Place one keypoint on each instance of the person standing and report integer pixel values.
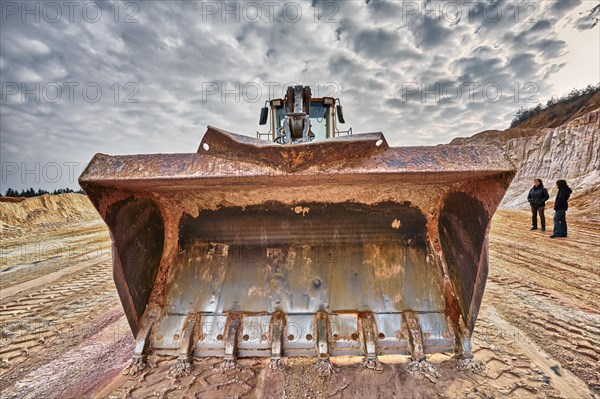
(561, 204)
(537, 198)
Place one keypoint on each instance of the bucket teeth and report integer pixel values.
(322, 341)
(418, 364)
(181, 368)
(184, 361)
(367, 333)
(372, 363)
(463, 355)
(425, 367)
(277, 364)
(228, 364)
(185, 350)
(415, 336)
(323, 365)
(278, 335)
(462, 345)
(277, 328)
(139, 359)
(232, 328)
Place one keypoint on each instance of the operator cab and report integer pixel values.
(299, 118)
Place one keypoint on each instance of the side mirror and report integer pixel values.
(264, 115)
(340, 113)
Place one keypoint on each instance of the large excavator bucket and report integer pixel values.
(343, 246)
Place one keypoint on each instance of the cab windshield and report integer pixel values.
(318, 119)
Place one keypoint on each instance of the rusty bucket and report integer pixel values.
(345, 246)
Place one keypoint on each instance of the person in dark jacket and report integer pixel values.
(537, 198)
(561, 204)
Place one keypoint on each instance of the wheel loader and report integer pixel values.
(304, 241)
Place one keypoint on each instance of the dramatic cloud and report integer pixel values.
(143, 77)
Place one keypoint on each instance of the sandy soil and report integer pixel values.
(63, 333)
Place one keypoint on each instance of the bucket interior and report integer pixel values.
(305, 258)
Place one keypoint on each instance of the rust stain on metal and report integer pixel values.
(300, 234)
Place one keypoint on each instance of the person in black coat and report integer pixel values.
(561, 204)
(537, 198)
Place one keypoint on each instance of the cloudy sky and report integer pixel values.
(148, 76)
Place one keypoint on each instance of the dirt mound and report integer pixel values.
(569, 151)
(551, 117)
(563, 112)
(44, 211)
(586, 204)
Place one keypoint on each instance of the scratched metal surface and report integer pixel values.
(254, 228)
(228, 161)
